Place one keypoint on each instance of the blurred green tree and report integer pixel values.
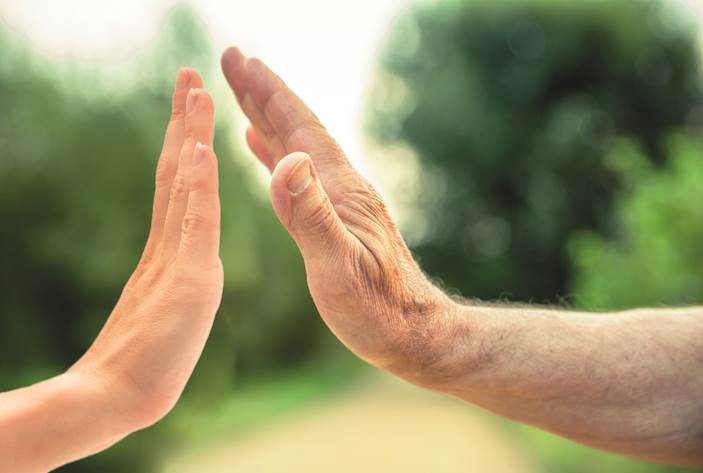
(511, 107)
(79, 148)
(656, 256)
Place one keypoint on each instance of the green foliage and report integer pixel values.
(511, 108)
(656, 256)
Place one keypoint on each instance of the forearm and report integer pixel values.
(54, 422)
(628, 382)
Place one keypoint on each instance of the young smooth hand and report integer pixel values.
(154, 336)
(136, 369)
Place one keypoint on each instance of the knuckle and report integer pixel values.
(319, 220)
(309, 133)
(146, 260)
(143, 286)
(198, 182)
(146, 266)
(177, 114)
(365, 208)
(179, 188)
(194, 223)
(143, 265)
(165, 171)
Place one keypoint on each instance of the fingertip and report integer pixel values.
(188, 78)
(231, 56)
(182, 79)
(232, 63)
(204, 173)
(200, 116)
(199, 100)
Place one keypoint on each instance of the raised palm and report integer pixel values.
(363, 279)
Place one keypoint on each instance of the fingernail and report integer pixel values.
(183, 79)
(300, 178)
(191, 100)
(199, 153)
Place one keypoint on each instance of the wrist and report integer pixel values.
(446, 353)
(433, 348)
(105, 400)
(118, 390)
(453, 354)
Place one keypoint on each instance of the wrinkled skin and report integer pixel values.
(621, 382)
(362, 277)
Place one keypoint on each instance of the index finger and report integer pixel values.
(294, 124)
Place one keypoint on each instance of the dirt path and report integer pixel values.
(383, 425)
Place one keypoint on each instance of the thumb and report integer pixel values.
(305, 210)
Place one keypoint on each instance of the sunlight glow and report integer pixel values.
(325, 50)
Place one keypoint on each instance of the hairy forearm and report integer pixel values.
(54, 422)
(627, 382)
(624, 383)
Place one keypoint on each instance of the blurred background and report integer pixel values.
(540, 151)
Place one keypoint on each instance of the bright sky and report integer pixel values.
(326, 50)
